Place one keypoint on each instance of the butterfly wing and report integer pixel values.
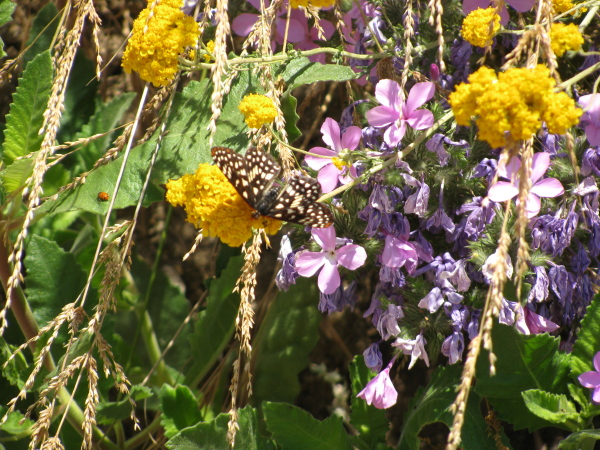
(233, 166)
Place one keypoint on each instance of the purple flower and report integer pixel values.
(350, 256)
(436, 145)
(416, 203)
(591, 379)
(453, 347)
(539, 290)
(380, 391)
(537, 324)
(340, 298)
(287, 274)
(413, 347)
(552, 234)
(590, 163)
(590, 119)
(432, 301)
(373, 357)
(502, 191)
(397, 113)
(388, 321)
(335, 167)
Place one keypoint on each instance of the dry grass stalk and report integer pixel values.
(437, 10)
(219, 69)
(63, 61)
(409, 32)
(312, 12)
(245, 320)
(522, 218)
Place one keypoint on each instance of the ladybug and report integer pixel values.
(103, 196)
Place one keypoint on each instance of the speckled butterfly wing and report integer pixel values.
(254, 175)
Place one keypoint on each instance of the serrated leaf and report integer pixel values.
(300, 71)
(15, 175)
(369, 421)
(42, 32)
(215, 325)
(293, 428)
(6, 9)
(286, 337)
(524, 362)
(26, 114)
(15, 370)
(553, 408)
(588, 341)
(179, 409)
(12, 425)
(112, 412)
(213, 435)
(581, 440)
(431, 404)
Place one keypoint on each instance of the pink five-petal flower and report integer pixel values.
(502, 191)
(398, 114)
(329, 173)
(591, 379)
(350, 256)
(590, 119)
(380, 391)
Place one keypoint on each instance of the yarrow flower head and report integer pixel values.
(315, 3)
(213, 204)
(334, 168)
(258, 110)
(512, 105)
(160, 34)
(502, 191)
(480, 26)
(350, 256)
(397, 114)
(565, 37)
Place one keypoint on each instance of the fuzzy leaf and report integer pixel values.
(581, 440)
(42, 32)
(302, 71)
(109, 413)
(213, 435)
(26, 116)
(215, 325)
(12, 424)
(288, 107)
(6, 9)
(293, 428)
(369, 421)
(431, 404)
(179, 409)
(524, 362)
(553, 408)
(285, 339)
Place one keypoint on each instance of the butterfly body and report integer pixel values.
(255, 177)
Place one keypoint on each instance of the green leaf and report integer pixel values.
(213, 435)
(179, 409)
(215, 325)
(588, 341)
(553, 408)
(582, 440)
(293, 428)
(26, 116)
(6, 10)
(109, 413)
(369, 421)
(42, 32)
(288, 107)
(524, 362)
(12, 425)
(301, 71)
(53, 279)
(15, 176)
(432, 404)
(286, 337)
(14, 371)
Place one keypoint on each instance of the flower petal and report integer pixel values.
(589, 379)
(502, 191)
(351, 256)
(314, 162)
(597, 362)
(418, 96)
(548, 188)
(329, 278)
(394, 134)
(331, 134)
(387, 92)
(421, 119)
(242, 24)
(307, 263)
(539, 165)
(325, 237)
(380, 116)
(351, 137)
(533, 205)
(328, 178)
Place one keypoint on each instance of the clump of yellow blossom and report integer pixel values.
(561, 6)
(315, 3)
(258, 110)
(565, 37)
(159, 35)
(213, 204)
(476, 27)
(210, 46)
(513, 105)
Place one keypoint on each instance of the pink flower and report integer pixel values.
(350, 256)
(398, 114)
(519, 5)
(502, 191)
(333, 168)
(380, 391)
(591, 379)
(590, 119)
(414, 347)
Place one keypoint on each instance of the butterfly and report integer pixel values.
(255, 177)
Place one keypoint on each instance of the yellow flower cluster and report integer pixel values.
(476, 29)
(159, 35)
(210, 46)
(561, 6)
(258, 110)
(513, 104)
(316, 3)
(213, 204)
(565, 37)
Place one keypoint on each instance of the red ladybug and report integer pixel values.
(103, 196)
